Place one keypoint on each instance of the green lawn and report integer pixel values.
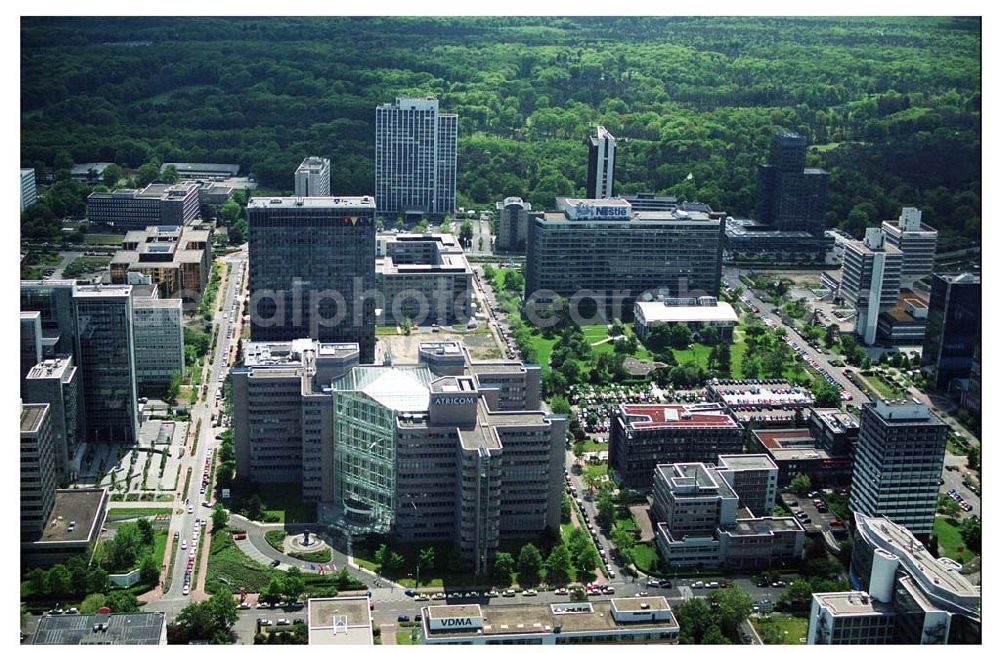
(589, 446)
(794, 629)
(645, 554)
(364, 556)
(103, 239)
(950, 539)
(881, 387)
(404, 635)
(137, 512)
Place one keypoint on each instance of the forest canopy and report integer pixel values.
(890, 106)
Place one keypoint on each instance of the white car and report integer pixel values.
(191, 509)
(187, 590)
(421, 597)
(530, 593)
(184, 544)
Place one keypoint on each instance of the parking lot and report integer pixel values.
(813, 513)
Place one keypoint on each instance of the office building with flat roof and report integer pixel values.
(415, 155)
(918, 243)
(312, 177)
(870, 280)
(834, 429)
(340, 620)
(158, 329)
(650, 202)
(603, 251)
(751, 239)
(72, 529)
(754, 479)
(696, 313)
(797, 451)
(902, 595)
(31, 341)
(177, 259)
(53, 301)
(204, 171)
(640, 620)
(29, 193)
(601, 165)
(56, 382)
(954, 327)
(897, 463)
(106, 346)
(312, 270)
(89, 173)
(646, 435)
(424, 278)
(38, 469)
(790, 196)
(504, 384)
(701, 520)
(214, 193)
(156, 204)
(133, 629)
(381, 439)
(513, 215)
(905, 324)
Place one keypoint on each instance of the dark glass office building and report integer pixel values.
(312, 270)
(953, 327)
(790, 196)
(105, 342)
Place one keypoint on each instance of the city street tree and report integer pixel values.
(606, 509)
(272, 593)
(122, 602)
(801, 484)
(145, 530)
(695, 618)
(948, 506)
(38, 580)
(827, 395)
(579, 448)
(503, 569)
(578, 542)
(623, 538)
(427, 558)
(735, 605)
(229, 213)
(714, 636)
(832, 335)
(557, 566)
(529, 566)
(210, 620)
(147, 173)
(565, 510)
(149, 570)
(169, 175)
(293, 585)
(577, 594)
(60, 581)
(972, 534)
(220, 518)
(112, 174)
(78, 572)
(92, 603)
(465, 233)
(770, 632)
(97, 580)
(586, 562)
(799, 593)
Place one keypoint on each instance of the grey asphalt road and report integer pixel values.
(203, 411)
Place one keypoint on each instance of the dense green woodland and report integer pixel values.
(891, 105)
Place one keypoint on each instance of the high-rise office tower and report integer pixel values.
(312, 178)
(870, 280)
(953, 327)
(158, 330)
(415, 155)
(312, 270)
(513, 215)
(105, 343)
(897, 463)
(53, 300)
(916, 240)
(31, 341)
(56, 382)
(29, 194)
(38, 469)
(791, 197)
(601, 165)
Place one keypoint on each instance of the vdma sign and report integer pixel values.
(455, 622)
